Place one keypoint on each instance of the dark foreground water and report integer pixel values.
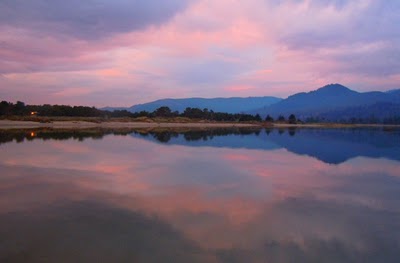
(200, 196)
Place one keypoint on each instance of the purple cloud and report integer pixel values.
(87, 20)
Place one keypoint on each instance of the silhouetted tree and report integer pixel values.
(4, 108)
(19, 108)
(163, 112)
(193, 113)
(142, 114)
(269, 118)
(281, 118)
(120, 113)
(292, 119)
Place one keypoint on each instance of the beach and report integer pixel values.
(10, 124)
(82, 124)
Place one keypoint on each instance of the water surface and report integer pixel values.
(305, 195)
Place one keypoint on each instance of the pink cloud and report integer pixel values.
(72, 92)
(264, 47)
(238, 88)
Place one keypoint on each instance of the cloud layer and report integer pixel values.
(125, 52)
(92, 19)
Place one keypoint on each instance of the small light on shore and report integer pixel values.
(33, 113)
(33, 134)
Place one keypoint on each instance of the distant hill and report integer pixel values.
(229, 105)
(381, 111)
(393, 91)
(334, 100)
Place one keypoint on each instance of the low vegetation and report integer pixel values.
(48, 113)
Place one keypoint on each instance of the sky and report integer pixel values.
(124, 52)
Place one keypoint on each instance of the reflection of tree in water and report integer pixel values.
(292, 131)
(50, 134)
(268, 130)
(281, 131)
(198, 134)
(163, 135)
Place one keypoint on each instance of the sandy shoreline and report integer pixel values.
(10, 124)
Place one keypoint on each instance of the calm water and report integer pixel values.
(212, 196)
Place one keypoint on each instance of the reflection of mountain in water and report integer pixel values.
(328, 145)
(338, 145)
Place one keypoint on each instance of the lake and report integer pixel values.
(217, 195)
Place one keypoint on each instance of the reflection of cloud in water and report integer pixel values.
(92, 232)
(207, 204)
(67, 210)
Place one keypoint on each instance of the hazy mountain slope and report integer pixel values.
(332, 102)
(381, 111)
(394, 91)
(329, 98)
(230, 105)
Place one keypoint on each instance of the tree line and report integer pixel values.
(203, 114)
(20, 109)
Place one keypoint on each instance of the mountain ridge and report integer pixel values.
(229, 105)
(331, 102)
(330, 98)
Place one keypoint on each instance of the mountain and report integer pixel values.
(229, 105)
(331, 98)
(393, 91)
(382, 111)
(332, 102)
